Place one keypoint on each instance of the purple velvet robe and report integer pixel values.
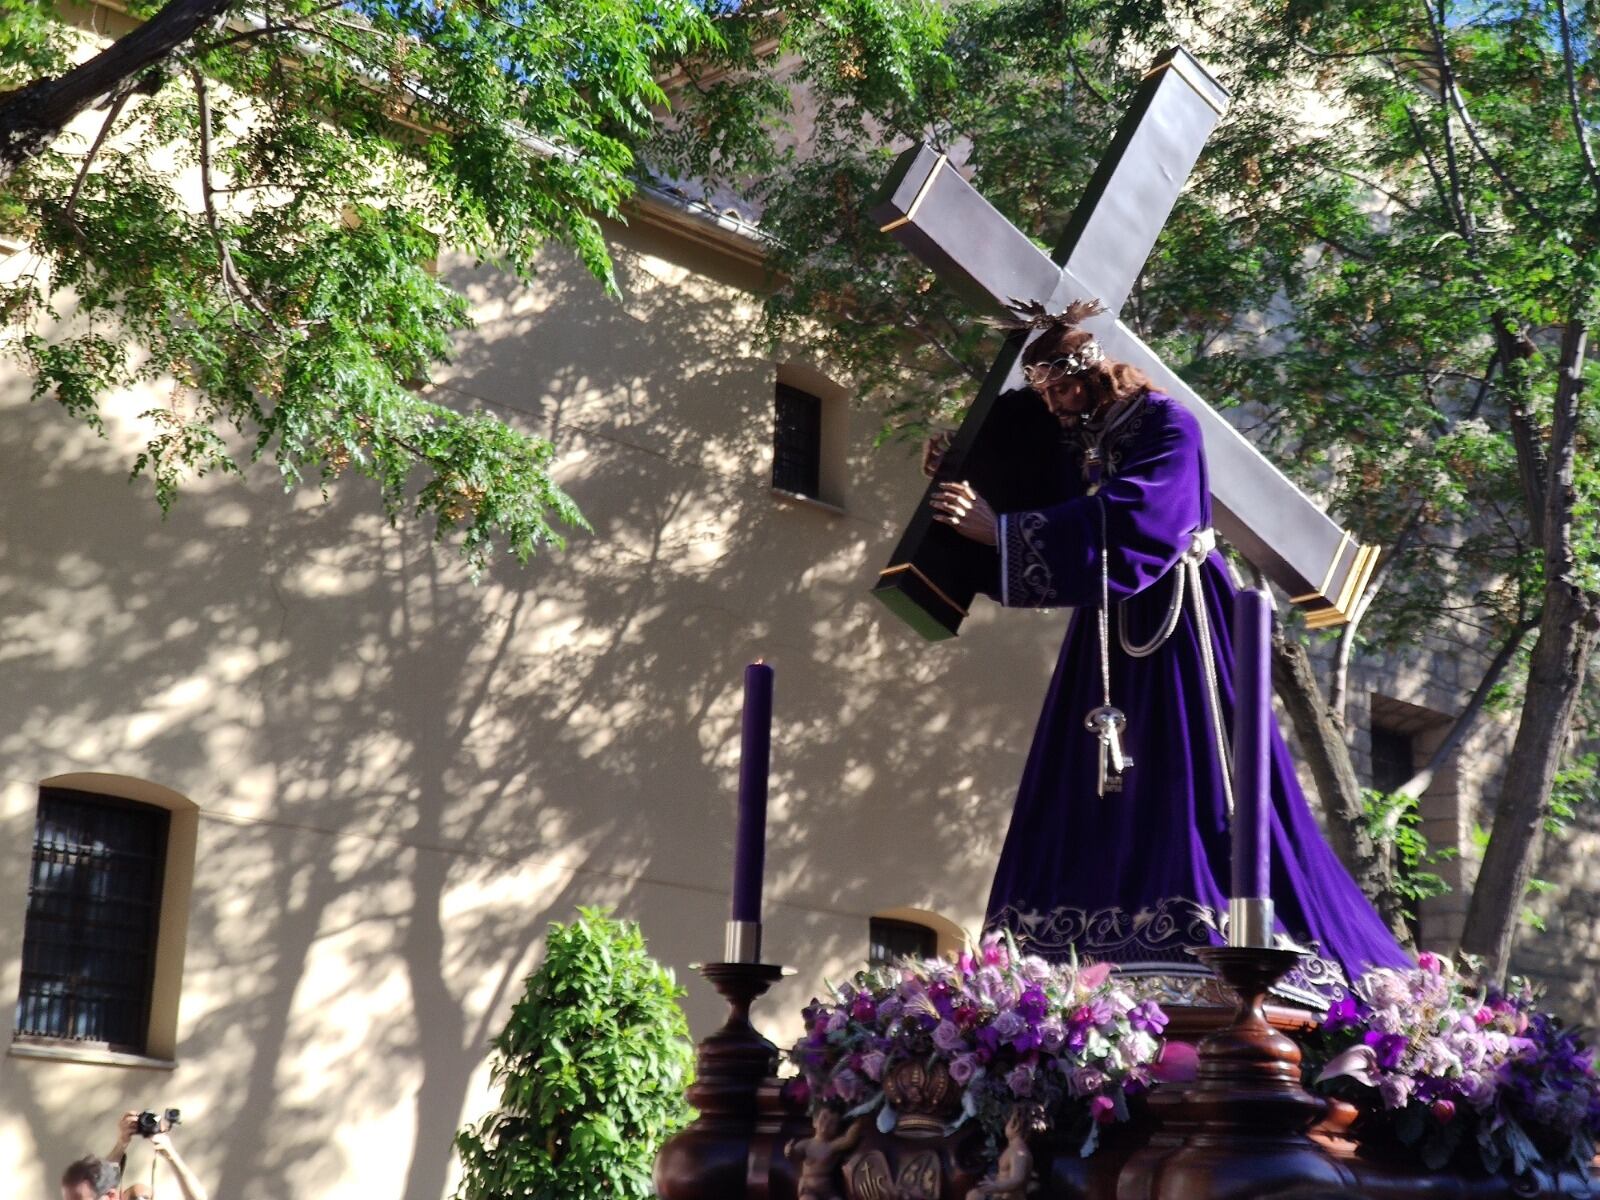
(1139, 878)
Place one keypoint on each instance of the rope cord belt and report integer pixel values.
(1107, 721)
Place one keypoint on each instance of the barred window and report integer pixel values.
(888, 940)
(797, 442)
(1393, 758)
(94, 905)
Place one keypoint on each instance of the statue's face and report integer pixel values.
(1069, 397)
(827, 1123)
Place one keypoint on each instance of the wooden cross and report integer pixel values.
(929, 208)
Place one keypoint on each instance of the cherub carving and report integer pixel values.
(1014, 1172)
(821, 1154)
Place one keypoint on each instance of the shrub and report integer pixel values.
(591, 1068)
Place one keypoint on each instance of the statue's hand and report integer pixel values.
(969, 514)
(933, 452)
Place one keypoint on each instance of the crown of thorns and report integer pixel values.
(1031, 314)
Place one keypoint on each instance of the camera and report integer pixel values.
(150, 1124)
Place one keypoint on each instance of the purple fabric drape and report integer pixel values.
(1140, 877)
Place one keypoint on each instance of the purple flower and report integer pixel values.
(988, 1043)
(1148, 1017)
(1341, 1014)
(1085, 1080)
(862, 1008)
(847, 1085)
(1052, 1034)
(1395, 1090)
(1388, 1048)
(1033, 1005)
(1009, 1025)
(965, 963)
(963, 1067)
(1020, 1081)
(948, 1038)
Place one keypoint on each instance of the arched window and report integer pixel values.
(911, 933)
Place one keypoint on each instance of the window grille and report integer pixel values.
(94, 906)
(1393, 758)
(890, 940)
(797, 441)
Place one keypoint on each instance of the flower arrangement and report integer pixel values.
(973, 1038)
(1450, 1067)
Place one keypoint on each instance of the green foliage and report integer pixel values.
(591, 1067)
(1394, 820)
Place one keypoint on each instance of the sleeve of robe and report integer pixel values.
(1154, 501)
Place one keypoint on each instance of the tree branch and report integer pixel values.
(1468, 716)
(117, 106)
(1452, 97)
(230, 274)
(1572, 96)
(34, 116)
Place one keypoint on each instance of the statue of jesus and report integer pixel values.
(1118, 848)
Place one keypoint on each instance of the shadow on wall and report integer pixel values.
(487, 758)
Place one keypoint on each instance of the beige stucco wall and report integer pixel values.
(402, 777)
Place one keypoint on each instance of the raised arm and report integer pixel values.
(188, 1183)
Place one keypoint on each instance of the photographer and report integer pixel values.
(159, 1134)
(90, 1178)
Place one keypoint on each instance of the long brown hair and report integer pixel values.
(1112, 380)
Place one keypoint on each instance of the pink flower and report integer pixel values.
(1177, 1063)
(994, 952)
(1092, 977)
(796, 1093)
(965, 963)
(1103, 1110)
(1484, 1016)
(1429, 962)
(1444, 1111)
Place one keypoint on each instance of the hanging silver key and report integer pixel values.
(1107, 723)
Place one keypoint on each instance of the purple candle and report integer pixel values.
(755, 752)
(1252, 745)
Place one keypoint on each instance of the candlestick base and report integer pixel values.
(1238, 1131)
(711, 1156)
(742, 942)
(1250, 922)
